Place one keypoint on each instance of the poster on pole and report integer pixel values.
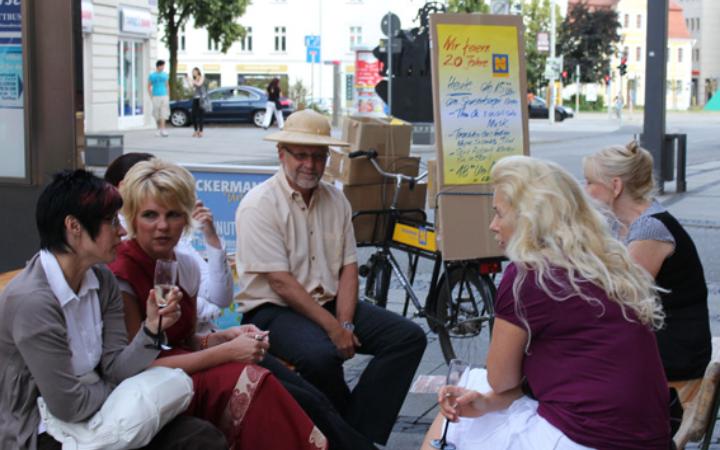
(480, 112)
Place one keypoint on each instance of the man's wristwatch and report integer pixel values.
(348, 325)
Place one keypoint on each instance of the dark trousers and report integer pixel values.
(339, 433)
(396, 343)
(181, 433)
(198, 115)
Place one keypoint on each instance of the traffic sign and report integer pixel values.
(543, 41)
(553, 67)
(389, 22)
(312, 54)
(312, 40)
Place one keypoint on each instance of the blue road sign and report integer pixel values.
(312, 40)
(312, 55)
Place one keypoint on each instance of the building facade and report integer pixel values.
(633, 29)
(702, 19)
(280, 43)
(119, 52)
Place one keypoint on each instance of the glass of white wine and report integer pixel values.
(165, 280)
(456, 369)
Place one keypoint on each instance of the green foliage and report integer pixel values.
(298, 94)
(598, 105)
(536, 18)
(589, 38)
(218, 17)
(468, 6)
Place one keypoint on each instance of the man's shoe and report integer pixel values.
(164, 133)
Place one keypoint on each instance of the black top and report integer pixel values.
(685, 340)
(274, 94)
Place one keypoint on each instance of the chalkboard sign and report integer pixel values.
(480, 111)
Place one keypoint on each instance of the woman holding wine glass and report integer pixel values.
(573, 362)
(230, 390)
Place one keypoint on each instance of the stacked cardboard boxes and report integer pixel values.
(364, 187)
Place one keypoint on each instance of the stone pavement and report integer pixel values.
(698, 209)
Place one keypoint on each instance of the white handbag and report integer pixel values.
(131, 415)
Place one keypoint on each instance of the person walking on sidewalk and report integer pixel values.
(273, 104)
(199, 101)
(297, 263)
(159, 90)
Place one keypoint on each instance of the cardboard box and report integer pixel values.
(470, 237)
(359, 171)
(389, 137)
(372, 227)
(432, 178)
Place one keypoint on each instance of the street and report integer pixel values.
(565, 143)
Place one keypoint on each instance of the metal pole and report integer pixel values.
(653, 136)
(551, 103)
(389, 59)
(577, 90)
(336, 94)
(608, 92)
(312, 77)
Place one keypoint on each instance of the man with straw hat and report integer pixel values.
(297, 263)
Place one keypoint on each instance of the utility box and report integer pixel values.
(423, 133)
(102, 149)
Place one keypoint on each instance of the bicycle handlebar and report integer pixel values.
(372, 156)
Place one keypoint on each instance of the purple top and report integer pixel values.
(598, 377)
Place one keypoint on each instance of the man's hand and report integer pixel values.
(345, 341)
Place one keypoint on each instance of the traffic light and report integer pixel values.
(623, 66)
(564, 75)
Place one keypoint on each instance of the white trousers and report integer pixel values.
(270, 108)
(518, 427)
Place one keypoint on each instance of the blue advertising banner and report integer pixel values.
(221, 188)
(10, 17)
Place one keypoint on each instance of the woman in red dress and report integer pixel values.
(244, 400)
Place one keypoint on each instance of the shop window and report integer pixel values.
(131, 81)
(638, 54)
(626, 22)
(680, 55)
(213, 80)
(280, 39)
(181, 39)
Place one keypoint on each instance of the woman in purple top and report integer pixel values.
(573, 330)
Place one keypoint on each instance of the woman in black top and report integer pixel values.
(273, 104)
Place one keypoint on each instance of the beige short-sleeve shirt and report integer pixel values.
(277, 232)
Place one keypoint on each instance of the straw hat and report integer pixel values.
(306, 127)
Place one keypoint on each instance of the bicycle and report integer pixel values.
(459, 303)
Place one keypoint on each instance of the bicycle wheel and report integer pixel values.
(377, 283)
(466, 313)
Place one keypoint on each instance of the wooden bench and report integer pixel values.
(701, 414)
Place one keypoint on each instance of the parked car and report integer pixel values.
(229, 104)
(538, 109)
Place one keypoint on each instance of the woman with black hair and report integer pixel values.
(273, 104)
(62, 328)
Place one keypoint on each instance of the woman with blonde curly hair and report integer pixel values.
(621, 177)
(231, 390)
(573, 330)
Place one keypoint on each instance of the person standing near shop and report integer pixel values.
(199, 101)
(273, 104)
(159, 90)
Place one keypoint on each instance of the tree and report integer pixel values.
(588, 38)
(218, 17)
(536, 18)
(468, 6)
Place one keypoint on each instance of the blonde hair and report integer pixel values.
(556, 226)
(169, 184)
(631, 163)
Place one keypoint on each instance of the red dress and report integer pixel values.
(245, 401)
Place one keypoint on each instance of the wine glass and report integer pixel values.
(456, 369)
(165, 281)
